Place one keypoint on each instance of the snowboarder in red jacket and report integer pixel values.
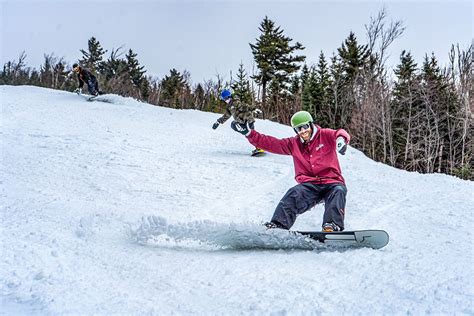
(317, 171)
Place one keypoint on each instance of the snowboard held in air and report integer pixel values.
(360, 238)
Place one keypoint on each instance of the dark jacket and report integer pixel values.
(85, 76)
(241, 112)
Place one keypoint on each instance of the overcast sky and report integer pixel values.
(212, 37)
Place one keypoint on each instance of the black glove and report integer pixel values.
(252, 125)
(341, 145)
(242, 128)
(215, 125)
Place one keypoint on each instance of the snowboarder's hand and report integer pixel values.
(257, 112)
(241, 128)
(341, 145)
(215, 125)
(78, 91)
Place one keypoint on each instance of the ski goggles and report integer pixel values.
(302, 127)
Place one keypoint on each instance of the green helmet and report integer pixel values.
(301, 118)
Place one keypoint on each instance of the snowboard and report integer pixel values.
(101, 97)
(375, 239)
(87, 96)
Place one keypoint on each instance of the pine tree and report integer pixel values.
(46, 71)
(114, 66)
(309, 89)
(135, 71)
(353, 56)
(322, 97)
(406, 111)
(199, 98)
(92, 58)
(350, 86)
(35, 78)
(304, 75)
(276, 61)
(137, 75)
(241, 87)
(171, 89)
(337, 91)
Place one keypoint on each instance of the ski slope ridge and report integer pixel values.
(106, 208)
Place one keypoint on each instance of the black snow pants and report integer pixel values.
(93, 86)
(305, 196)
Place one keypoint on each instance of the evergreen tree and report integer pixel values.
(350, 85)
(171, 88)
(46, 72)
(115, 74)
(199, 98)
(406, 111)
(92, 58)
(316, 97)
(308, 101)
(241, 87)
(135, 71)
(304, 75)
(114, 66)
(35, 78)
(322, 96)
(337, 91)
(353, 56)
(275, 59)
(137, 75)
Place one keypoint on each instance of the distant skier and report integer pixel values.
(85, 76)
(317, 170)
(241, 112)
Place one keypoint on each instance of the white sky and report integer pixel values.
(212, 37)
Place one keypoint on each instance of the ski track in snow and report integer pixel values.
(79, 179)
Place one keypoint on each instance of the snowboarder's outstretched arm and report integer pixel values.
(221, 120)
(224, 117)
(270, 143)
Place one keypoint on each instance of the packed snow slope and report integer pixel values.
(88, 188)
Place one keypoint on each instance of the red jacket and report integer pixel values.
(315, 161)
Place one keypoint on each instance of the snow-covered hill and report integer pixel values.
(79, 179)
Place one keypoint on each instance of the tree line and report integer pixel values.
(416, 117)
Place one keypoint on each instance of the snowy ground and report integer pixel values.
(80, 179)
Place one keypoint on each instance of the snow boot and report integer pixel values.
(330, 227)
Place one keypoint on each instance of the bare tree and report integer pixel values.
(374, 115)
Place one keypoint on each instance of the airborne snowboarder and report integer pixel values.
(242, 114)
(317, 171)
